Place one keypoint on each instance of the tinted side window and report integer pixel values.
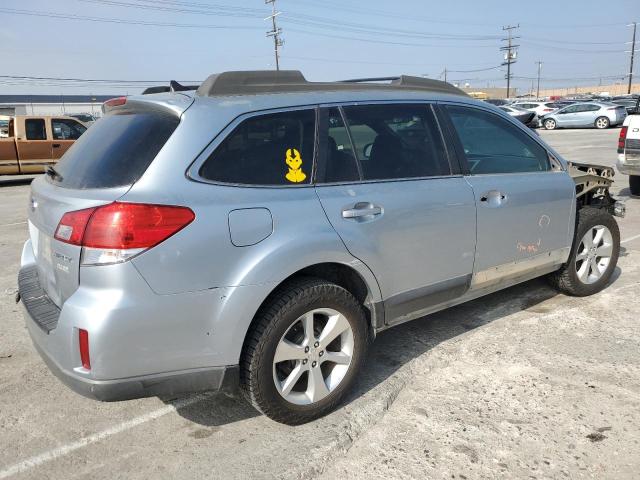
(35, 129)
(341, 163)
(273, 149)
(63, 129)
(397, 141)
(492, 145)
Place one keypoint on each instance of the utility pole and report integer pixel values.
(510, 55)
(538, 89)
(633, 49)
(275, 32)
(445, 74)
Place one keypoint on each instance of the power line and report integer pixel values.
(33, 13)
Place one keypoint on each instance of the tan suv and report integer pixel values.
(35, 142)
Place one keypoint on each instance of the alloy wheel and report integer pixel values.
(313, 356)
(594, 254)
(602, 122)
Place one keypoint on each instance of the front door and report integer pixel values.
(525, 207)
(387, 188)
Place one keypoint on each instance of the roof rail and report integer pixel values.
(284, 81)
(173, 87)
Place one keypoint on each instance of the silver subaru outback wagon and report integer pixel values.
(259, 231)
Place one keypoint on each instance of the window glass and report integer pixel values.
(35, 129)
(273, 149)
(64, 129)
(397, 141)
(492, 145)
(592, 108)
(340, 159)
(115, 151)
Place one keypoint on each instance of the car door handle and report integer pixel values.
(493, 198)
(56, 145)
(362, 209)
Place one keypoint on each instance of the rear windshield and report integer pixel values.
(115, 151)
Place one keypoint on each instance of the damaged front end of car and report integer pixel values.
(593, 184)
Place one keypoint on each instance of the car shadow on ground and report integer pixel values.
(397, 346)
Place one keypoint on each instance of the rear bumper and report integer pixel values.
(627, 168)
(140, 343)
(168, 384)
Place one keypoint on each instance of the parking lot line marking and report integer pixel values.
(96, 437)
(12, 224)
(629, 239)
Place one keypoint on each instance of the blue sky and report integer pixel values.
(577, 41)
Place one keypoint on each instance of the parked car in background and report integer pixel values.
(540, 108)
(34, 143)
(85, 118)
(629, 152)
(585, 115)
(632, 105)
(497, 101)
(260, 232)
(527, 117)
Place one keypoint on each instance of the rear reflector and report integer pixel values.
(83, 340)
(115, 232)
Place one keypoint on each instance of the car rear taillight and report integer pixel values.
(547, 109)
(83, 344)
(115, 232)
(621, 139)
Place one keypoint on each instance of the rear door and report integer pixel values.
(388, 189)
(525, 207)
(33, 144)
(64, 132)
(586, 115)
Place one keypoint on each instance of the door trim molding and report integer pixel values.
(408, 303)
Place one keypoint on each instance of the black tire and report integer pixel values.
(549, 124)
(566, 279)
(605, 121)
(634, 185)
(287, 304)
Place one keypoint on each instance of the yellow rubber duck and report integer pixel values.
(295, 173)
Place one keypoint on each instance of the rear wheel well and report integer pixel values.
(340, 274)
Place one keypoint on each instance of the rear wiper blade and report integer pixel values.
(53, 173)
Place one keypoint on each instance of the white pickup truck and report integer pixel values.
(629, 152)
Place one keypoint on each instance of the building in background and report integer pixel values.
(489, 92)
(52, 104)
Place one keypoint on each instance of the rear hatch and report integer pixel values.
(97, 170)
